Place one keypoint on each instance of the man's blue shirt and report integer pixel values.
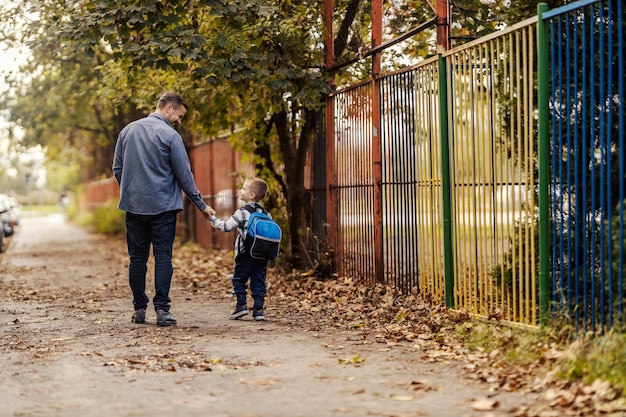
(151, 166)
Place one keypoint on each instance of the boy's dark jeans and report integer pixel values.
(247, 267)
(142, 231)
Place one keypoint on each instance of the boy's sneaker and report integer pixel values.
(258, 314)
(240, 311)
(139, 316)
(165, 318)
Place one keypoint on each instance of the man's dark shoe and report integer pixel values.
(240, 311)
(139, 316)
(258, 314)
(165, 318)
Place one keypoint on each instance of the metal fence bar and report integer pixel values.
(622, 163)
(446, 187)
(411, 178)
(492, 119)
(411, 203)
(587, 188)
(353, 161)
(568, 8)
(401, 200)
(546, 164)
(427, 152)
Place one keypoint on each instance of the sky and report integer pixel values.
(10, 58)
(10, 61)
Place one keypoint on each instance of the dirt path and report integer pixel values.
(68, 348)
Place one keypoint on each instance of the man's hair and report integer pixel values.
(258, 187)
(171, 97)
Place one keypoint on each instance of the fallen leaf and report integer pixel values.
(353, 360)
(357, 391)
(485, 404)
(260, 382)
(402, 397)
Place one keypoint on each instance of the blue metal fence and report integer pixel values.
(588, 183)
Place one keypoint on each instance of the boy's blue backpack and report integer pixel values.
(264, 235)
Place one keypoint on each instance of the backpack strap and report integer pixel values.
(242, 243)
(254, 209)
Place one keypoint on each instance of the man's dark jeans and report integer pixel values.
(143, 231)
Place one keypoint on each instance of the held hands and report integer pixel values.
(208, 212)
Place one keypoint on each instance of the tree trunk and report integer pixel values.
(294, 151)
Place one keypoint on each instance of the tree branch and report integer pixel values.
(341, 41)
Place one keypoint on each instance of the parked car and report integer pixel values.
(7, 215)
(1, 238)
(16, 210)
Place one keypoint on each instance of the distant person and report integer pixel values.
(64, 201)
(246, 267)
(151, 167)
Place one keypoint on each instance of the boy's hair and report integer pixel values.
(258, 187)
(171, 97)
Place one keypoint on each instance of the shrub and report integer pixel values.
(108, 219)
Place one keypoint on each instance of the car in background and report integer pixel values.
(16, 210)
(7, 215)
(5, 218)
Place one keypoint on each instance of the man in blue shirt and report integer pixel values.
(152, 167)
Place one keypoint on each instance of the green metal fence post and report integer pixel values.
(544, 164)
(445, 183)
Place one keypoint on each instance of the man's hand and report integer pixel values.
(208, 212)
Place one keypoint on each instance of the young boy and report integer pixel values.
(246, 267)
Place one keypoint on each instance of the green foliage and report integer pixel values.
(39, 210)
(586, 358)
(514, 270)
(597, 357)
(62, 176)
(245, 64)
(515, 347)
(60, 110)
(108, 219)
(472, 19)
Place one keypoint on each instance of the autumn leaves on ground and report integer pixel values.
(508, 359)
(66, 310)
